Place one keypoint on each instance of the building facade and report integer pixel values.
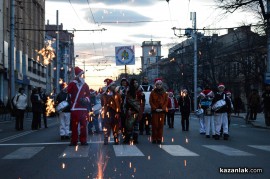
(29, 37)
(150, 59)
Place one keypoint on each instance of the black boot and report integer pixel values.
(226, 137)
(183, 125)
(135, 138)
(116, 140)
(126, 139)
(187, 125)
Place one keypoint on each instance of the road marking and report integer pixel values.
(50, 143)
(23, 153)
(15, 136)
(177, 150)
(262, 147)
(228, 150)
(75, 152)
(127, 150)
(23, 134)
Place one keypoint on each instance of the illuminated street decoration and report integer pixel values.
(47, 52)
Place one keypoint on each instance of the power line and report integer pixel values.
(74, 30)
(91, 12)
(221, 28)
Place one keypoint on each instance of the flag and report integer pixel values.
(125, 55)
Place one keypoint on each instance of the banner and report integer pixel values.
(125, 55)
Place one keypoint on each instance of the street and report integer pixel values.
(41, 154)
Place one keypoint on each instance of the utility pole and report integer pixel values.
(267, 74)
(11, 46)
(268, 36)
(193, 18)
(57, 55)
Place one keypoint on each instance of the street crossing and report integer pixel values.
(69, 152)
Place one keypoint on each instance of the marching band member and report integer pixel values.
(206, 97)
(158, 101)
(135, 101)
(222, 106)
(111, 103)
(80, 99)
(64, 115)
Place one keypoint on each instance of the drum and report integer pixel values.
(96, 108)
(61, 106)
(219, 104)
(199, 112)
(147, 107)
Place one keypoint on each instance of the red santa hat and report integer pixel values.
(221, 85)
(207, 92)
(158, 80)
(78, 71)
(109, 82)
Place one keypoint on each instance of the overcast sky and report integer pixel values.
(130, 22)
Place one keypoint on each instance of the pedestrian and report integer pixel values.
(111, 103)
(206, 98)
(254, 104)
(36, 109)
(135, 101)
(184, 103)
(266, 104)
(20, 102)
(172, 107)
(229, 95)
(221, 105)
(145, 122)
(80, 99)
(158, 102)
(63, 99)
(238, 104)
(43, 98)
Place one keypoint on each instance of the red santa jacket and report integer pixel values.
(169, 105)
(78, 91)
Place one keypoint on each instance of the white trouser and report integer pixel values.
(209, 124)
(221, 119)
(202, 126)
(64, 118)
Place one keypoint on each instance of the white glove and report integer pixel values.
(158, 110)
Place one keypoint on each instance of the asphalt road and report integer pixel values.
(41, 154)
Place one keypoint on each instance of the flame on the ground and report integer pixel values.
(49, 106)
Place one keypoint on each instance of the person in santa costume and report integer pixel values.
(158, 101)
(222, 106)
(172, 107)
(122, 90)
(205, 101)
(111, 103)
(80, 100)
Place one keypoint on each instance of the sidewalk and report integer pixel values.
(259, 122)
